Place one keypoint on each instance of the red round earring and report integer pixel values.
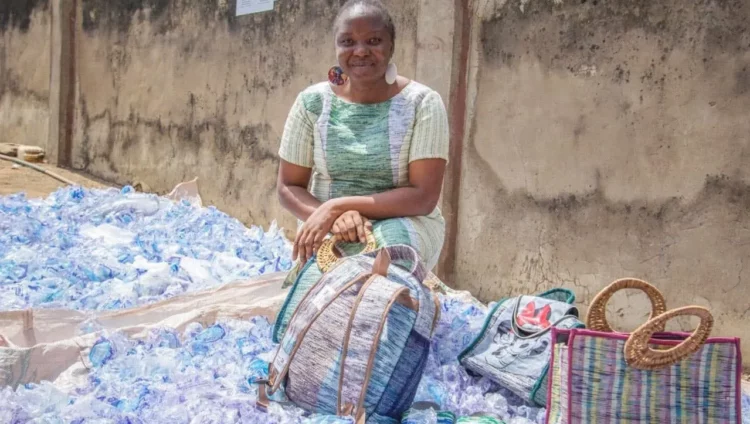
(336, 75)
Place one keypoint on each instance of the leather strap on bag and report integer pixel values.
(299, 327)
(375, 302)
(406, 258)
(262, 402)
(348, 409)
(410, 271)
(373, 352)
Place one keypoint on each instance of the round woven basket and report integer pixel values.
(327, 257)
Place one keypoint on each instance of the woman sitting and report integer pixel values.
(371, 145)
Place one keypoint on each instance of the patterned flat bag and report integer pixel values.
(358, 341)
(515, 345)
(649, 376)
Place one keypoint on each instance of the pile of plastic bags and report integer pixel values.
(207, 375)
(114, 249)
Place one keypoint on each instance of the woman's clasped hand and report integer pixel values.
(349, 226)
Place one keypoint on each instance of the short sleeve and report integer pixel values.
(298, 140)
(431, 136)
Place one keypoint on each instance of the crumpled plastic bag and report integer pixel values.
(188, 191)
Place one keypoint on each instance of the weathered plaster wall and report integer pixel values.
(172, 89)
(24, 71)
(608, 140)
(603, 139)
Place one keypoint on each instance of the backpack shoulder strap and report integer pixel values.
(407, 260)
(361, 342)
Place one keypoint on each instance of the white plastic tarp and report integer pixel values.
(46, 345)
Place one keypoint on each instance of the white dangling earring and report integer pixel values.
(391, 73)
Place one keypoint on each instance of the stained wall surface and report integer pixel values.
(170, 90)
(24, 71)
(603, 139)
(609, 140)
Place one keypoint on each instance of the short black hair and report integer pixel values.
(376, 6)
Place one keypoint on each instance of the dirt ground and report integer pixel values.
(35, 184)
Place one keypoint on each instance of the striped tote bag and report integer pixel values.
(649, 376)
(358, 341)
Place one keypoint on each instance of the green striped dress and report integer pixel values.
(362, 149)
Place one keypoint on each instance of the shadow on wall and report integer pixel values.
(164, 15)
(174, 89)
(610, 140)
(24, 71)
(17, 13)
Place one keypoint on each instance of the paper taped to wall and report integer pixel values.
(245, 7)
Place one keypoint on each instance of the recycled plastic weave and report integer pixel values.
(592, 382)
(514, 347)
(358, 342)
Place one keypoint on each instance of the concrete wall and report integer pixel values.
(24, 71)
(608, 140)
(173, 89)
(602, 139)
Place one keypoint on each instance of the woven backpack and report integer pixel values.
(358, 342)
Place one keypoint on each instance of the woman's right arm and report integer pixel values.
(291, 188)
(295, 169)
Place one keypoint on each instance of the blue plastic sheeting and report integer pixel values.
(113, 249)
(206, 375)
(109, 249)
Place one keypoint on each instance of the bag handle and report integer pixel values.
(327, 257)
(398, 254)
(596, 318)
(638, 353)
(517, 331)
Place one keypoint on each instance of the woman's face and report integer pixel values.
(363, 45)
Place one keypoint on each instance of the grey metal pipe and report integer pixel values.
(36, 168)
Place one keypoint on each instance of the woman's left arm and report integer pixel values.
(420, 197)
